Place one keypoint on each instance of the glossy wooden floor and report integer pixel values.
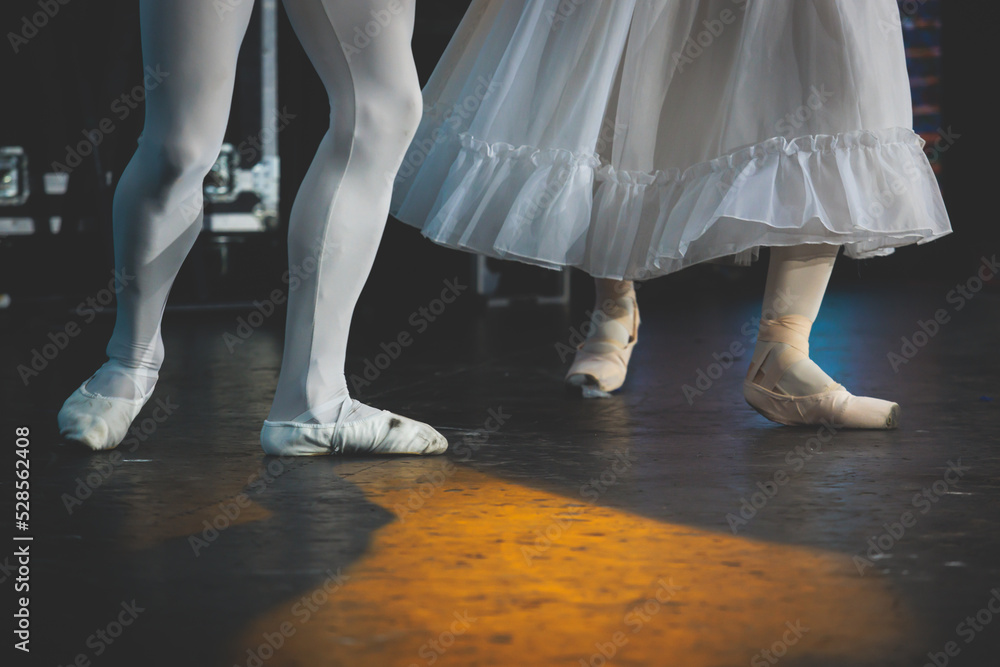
(652, 528)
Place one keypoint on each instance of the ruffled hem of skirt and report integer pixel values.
(870, 191)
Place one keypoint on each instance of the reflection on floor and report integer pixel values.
(659, 527)
(506, 575)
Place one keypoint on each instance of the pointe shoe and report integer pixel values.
(833, 406)
(381, 433)
(601, 361)
(836, 406)
(101, 422)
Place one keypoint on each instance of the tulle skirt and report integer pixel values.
(633, 138)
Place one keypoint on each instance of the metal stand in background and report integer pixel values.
(242, 188)
(14, 192)
(487, 283)
(229, 178)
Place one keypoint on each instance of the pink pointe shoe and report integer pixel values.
(788, 337)
(601, 361)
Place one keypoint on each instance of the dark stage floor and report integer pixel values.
(647, 529)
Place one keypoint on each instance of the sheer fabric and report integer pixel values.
(633, 138)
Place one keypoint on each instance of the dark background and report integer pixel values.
(65, 79)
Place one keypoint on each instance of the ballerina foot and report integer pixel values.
(380, 433)
(835, 406)
(601, 362)
(787, 387)
(98, 421)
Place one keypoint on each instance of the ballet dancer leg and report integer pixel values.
(601, 361)
(783, 383)
(336, 224)
(157, 210)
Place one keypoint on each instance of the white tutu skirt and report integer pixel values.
(633, 138)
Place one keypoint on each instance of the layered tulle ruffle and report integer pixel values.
(633, 138)
(870, 191)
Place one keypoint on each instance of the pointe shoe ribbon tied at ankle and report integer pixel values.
(833, 405)
(381, 433)
(601, 361)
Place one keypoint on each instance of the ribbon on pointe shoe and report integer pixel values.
(601, 362)
(833, 405)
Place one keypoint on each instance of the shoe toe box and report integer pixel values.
(407, 436)
(93, 421)
(87, 429)
(871, 413)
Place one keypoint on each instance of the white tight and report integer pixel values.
(797, 278)
(342, 205)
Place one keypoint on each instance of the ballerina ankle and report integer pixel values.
(781, 360)
(601, 361)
